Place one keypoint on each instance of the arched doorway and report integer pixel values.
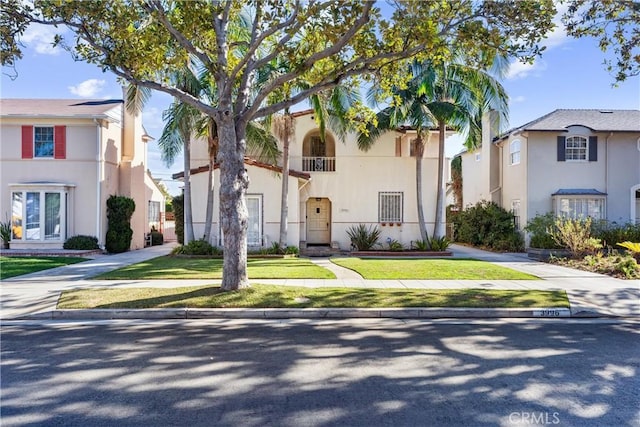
(318, 221)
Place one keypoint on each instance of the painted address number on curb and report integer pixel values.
(551, 312)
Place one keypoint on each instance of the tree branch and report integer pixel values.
(155, 5)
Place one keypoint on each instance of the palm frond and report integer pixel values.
(137, 98)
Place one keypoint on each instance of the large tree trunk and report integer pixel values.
(188, 212)
(234, 182)
(438, 228)
(284, 202)
(419, 153)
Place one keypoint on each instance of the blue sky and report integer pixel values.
(570, 74)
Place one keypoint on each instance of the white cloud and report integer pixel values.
(558, 36)
(152, 119)
(88, 88)
(40, 38)
(555, 38)
(517, 99)
(518, 70)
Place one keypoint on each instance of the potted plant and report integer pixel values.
(5, 234)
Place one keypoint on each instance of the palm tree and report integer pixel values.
(408, 108)
(436, 96)
(180, 124)
(458, 95)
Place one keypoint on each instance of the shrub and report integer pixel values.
(628, 267)
(178, 209)
(394, 245)
(292, 250)
(575, 235)
(197, 247)
(440, 244)
(5, 231)
(363, 238)
(422, 245)
(81, 242)
(119, 232)
(540, 228)
(611, 233)
(633, 248)
(486, 224)
(157, 238)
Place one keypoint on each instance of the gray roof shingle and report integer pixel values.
(597, 120)
(51, 108)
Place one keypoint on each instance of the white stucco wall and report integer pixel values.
(473, 188)
(352, 188)
(513, 176)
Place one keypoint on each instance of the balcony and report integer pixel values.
(318, 164)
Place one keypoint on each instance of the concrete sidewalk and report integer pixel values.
(590, 294)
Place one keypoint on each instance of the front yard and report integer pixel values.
(267, 296)
(171, 267)
(17, 266)
(430, 269)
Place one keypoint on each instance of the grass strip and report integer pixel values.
(17, 266)
(168, 267)
(270, 296)
(430, 269)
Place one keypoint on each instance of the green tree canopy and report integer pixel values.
(326, 42)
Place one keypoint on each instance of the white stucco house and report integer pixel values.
(61, 159)
(332, 186)
(570, 162)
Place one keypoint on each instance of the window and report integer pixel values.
(515, 208)
(254, 223)
(514, 152)
(581, 207)
(154, 214)
(43, 141)
(576, 148)
(36, 215)
(390, 206)
(317, 147)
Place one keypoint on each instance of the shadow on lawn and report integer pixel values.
(267, 296)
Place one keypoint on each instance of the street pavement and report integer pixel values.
(590, 294)
(321, 373)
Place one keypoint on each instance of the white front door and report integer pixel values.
(318, 221)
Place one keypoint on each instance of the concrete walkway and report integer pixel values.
(590, 294)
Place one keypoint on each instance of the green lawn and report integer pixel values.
(168, 267)
(17, 266)
(429, 269)
(266, 296)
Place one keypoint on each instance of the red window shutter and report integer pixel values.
(27, 142)
(60, 142)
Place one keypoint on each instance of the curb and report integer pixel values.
(308, 313)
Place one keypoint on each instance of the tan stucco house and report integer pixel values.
(569, 162)
(61, 159)
(332, 186)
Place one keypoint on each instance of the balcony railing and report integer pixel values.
(318, 164)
